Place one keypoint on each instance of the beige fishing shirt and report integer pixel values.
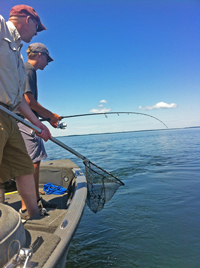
(12, 69)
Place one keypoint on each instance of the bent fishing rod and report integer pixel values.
(107, 113)
(86, 161)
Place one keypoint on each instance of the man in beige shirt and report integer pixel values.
(23, 24)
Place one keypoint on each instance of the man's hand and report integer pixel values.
(45, 134)
(54, 119)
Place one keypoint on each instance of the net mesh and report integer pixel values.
(101, 186)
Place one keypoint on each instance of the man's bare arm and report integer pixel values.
(26, 111)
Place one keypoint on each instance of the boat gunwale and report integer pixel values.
(72, 217)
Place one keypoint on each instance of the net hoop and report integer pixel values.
(113, 178)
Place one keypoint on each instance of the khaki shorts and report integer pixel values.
(14, 159)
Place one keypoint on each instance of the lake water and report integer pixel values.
(152, 221)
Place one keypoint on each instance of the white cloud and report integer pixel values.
(103, 110)
(103, 101)
(159, 105)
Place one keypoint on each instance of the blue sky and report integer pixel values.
(119, 55)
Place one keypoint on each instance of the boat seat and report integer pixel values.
(12, 233)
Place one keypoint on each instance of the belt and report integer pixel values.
(5, 105)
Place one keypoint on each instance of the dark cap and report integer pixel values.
(24, 11)
(39, 48)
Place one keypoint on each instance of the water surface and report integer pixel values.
(152, 221)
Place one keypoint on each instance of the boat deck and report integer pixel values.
(58, 228)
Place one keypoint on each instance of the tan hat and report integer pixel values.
(24, 11)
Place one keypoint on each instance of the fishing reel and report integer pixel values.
(61, 125)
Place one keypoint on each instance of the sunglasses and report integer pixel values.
(37, 26)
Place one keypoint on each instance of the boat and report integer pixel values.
(44, 243)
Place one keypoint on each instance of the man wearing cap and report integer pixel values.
(38, 59)
(23, 24)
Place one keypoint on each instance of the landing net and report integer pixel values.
(101, 186)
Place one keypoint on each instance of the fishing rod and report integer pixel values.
(107, 113)
(88, 164)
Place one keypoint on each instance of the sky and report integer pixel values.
(119, 56)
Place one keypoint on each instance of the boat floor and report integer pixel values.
(13, 199)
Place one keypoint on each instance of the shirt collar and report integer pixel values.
(15, 34)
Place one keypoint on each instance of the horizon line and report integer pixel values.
(126, 131)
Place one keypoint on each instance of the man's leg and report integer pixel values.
(26, 187)
(15, 162)
(36, 178)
